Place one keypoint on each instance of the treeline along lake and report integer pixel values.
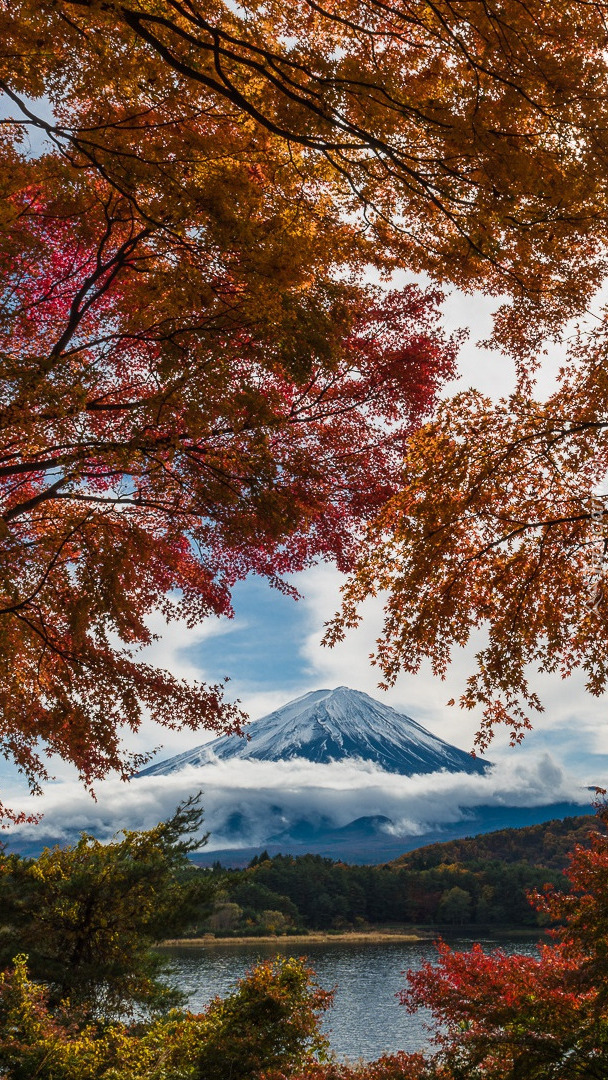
(463, 887)
(480, 881)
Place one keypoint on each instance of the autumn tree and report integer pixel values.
(268, 1028)
(196, 382)
(181, 406)
(87, 915)
(516, 1017)
(499, 526)
(471, 134)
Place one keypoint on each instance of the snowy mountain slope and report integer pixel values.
(334, 725)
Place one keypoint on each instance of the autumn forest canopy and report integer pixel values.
(206, 372)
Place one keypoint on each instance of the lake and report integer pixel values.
(366, 1020)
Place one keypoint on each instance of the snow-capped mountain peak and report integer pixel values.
(334, 725)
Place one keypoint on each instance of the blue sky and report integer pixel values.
(263, 645)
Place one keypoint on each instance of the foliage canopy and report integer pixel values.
(498, 527)
(196, 383)
(471, 133)
(87, 915)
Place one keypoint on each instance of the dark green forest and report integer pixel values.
(483, 880)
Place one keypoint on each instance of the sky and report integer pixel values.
(272, 652)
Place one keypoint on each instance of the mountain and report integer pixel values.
(358, 814)
(367, 840)
(333, 725)
(548, 844)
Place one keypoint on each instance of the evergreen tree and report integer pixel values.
(88, 914)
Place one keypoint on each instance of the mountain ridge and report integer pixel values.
(326, 726)
(366, 841)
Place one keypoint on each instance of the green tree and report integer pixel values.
(87, 915)
(455, 905)
(270, 1023)
(225, 915)
(269, 1026)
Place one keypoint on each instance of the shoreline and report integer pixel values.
(359, 937)
(314, 938)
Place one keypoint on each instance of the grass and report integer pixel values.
(314, 937)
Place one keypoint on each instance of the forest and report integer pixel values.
(445, 884)
(482, 881)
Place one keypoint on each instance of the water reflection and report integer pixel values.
(366, 1020)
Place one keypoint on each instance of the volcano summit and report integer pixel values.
(325, 726)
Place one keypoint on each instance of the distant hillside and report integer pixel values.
(479, 882)
(546, 845)
(367, 840)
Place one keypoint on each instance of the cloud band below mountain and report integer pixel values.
(248, 802)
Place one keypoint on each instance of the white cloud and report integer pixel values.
(248, 801)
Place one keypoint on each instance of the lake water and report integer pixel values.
(367, 1019)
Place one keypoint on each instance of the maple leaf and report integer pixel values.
(178, 408)
(468, 141)
(497, 525)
